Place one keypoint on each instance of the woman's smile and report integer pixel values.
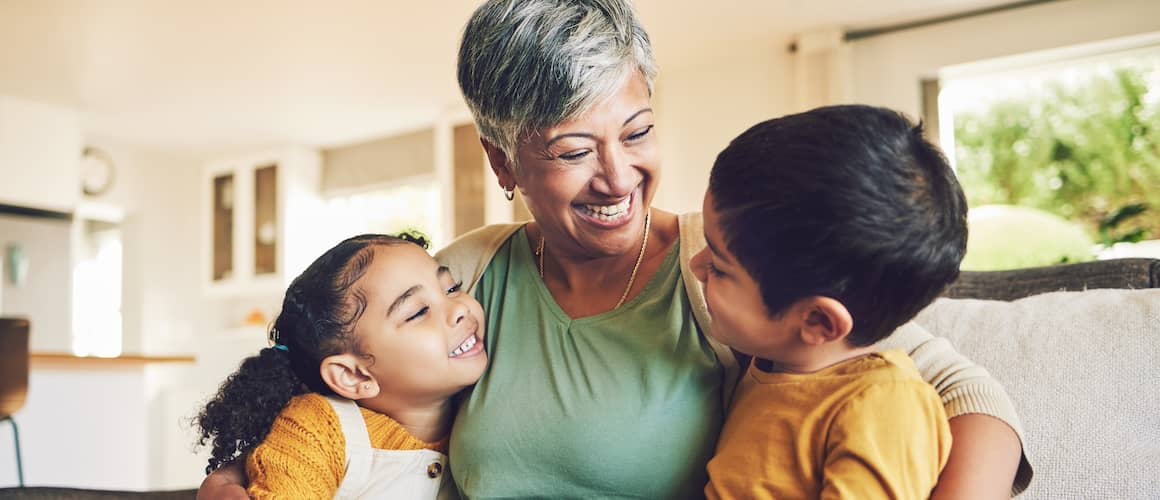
(608, 215)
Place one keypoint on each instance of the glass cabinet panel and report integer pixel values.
(266, 220)
(223, 227)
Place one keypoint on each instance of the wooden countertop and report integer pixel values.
(64, 358)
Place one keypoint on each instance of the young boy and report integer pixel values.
(828, 230)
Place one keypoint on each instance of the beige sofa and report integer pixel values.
(1082, 366)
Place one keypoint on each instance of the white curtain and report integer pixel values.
(822, 68)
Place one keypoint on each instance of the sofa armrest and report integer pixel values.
(1018, 283)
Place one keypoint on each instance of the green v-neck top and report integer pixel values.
(624, 404)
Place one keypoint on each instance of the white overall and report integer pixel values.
(371, 473)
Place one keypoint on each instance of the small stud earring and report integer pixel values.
(367, 387)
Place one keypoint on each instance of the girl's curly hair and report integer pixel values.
(317, 320)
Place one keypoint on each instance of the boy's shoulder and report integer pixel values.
(888, 372)
(892, 365)
(887, 383)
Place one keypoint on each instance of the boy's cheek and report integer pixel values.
(719, 321)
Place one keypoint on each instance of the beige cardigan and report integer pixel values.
(965, 388)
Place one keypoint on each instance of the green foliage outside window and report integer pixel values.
(1088, 152)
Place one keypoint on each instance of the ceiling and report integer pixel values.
(218, 75)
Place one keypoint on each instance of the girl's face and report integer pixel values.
(589, 181)
(423, 334)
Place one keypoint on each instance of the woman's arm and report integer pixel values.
(986, 429)
(985, 457)
(226, 483)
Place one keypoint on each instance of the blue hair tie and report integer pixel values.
(281, 347)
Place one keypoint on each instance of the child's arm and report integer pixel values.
(889, 442)
(303, 456)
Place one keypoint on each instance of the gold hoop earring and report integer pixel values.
(510, 194)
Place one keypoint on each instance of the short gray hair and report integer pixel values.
(529, 64)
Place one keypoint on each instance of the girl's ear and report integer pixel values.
(500, 164)
(345, 375)
(824, 320)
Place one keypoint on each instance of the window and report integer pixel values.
(411, 205)
(1060, 161)
(97, 273)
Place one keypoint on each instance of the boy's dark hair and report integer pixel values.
(846, 202)
(318, 315)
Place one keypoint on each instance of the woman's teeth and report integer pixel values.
(464, 347)
(608, 212)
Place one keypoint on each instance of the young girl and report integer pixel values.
(354, 398)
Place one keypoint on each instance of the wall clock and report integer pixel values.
(97, 172)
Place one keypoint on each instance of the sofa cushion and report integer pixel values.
(1083, 370)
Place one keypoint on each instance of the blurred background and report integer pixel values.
(166, 167)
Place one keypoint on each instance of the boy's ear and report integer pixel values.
(500, 164)
(824, 320)
(346, 376)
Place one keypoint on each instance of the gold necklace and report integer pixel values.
(635, 267)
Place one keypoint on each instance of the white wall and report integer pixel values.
(165, 309)
(887, 69)
(45, 297)
(701, 106)
(159, 194)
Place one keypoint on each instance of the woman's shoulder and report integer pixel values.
(468, 255)
(692, 234)
(691, 223)
(484, 239)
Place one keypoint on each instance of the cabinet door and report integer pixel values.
(249, 245)
(266, 220)
(223, 227)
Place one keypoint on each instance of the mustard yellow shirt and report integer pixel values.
(304, 456)
(865, 428)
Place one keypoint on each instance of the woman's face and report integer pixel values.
(589, 182)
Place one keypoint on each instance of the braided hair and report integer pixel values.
(317, 321)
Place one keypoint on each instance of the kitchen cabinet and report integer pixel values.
(263, 212)
(40, 155)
